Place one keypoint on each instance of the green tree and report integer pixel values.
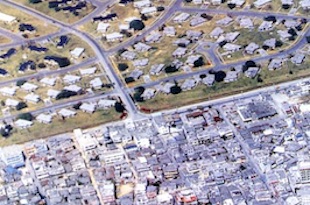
(137, 25)
(25, 116)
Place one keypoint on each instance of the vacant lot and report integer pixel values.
(38, 130)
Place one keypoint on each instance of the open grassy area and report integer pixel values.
(42, 28)
(201, 93)
(38, 130)
(4, 40)
(59, 15)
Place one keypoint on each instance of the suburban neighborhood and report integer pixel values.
(150, 102)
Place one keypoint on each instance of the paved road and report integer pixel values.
(14, 37)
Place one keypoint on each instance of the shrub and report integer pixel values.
(21, 105)
(122, 66)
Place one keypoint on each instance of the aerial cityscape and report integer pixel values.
(155, 102)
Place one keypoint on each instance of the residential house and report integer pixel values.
(298, 58)
(265, 26)
(96, 83)
(103, 27)
(71, 79)
(112, 37)
(66, 113)
(156, 69)
(275, 64)
(11, 102)
(261, 3)
(166, 87)
(305, 4)
(136, 74)
(140, 62)
(231, 76)
(188, 84)
(153, 37)
(183, 41)
(169, 31)
(29, 87)
(287, 2)
(106, 103)
(215, 33)
(231, 36)
(196, 21)
(33, 98)
(88, 71)
(209, 79)
(141, 47)
(251, 48)
(224, 22)
(129, 55)
(179, 52)
(252, 72)
(44, 118)
(192, 59)
(52, 93)
(182, 17)
(148, 93)
(238, 3)
(88, 107)
(141, 4)
(23, 124)
(271, 43)
(48, 81)
(73, 88)
(284, 35)
(148, 10)
(230, 47)
(7, 18)
(194, 35)
(77, 52)
(8, 91)
(246, 23)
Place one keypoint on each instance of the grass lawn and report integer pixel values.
(218, 90)
(39, 130)
(4, 40)
(60, 15)
(42, 28)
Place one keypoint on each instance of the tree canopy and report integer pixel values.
(137, 25)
